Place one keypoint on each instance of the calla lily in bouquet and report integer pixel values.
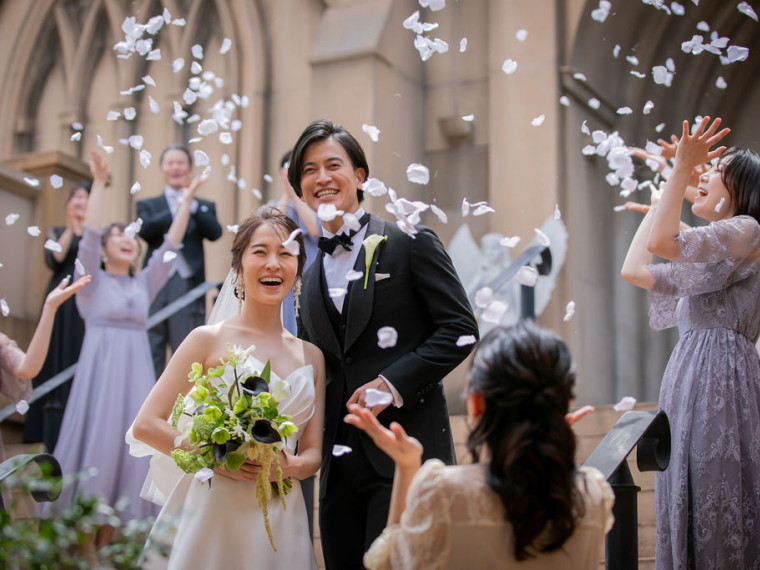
(233, 411)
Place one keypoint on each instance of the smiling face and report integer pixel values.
(76, 207)
(713, 194)
(176, 168)
(120, 251)
(329, 177)
(269, 270)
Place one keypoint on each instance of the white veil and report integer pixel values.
(226, 305)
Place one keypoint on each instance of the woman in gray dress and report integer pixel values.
(115, 370)
(708, 500)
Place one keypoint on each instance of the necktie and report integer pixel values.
(328, 245)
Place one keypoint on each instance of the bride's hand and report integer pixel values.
(285, 459)
(247, 471)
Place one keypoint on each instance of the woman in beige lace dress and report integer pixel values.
(525, 502)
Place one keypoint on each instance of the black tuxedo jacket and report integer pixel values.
(157, 218)
(412, 287)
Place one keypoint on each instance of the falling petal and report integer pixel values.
(197, 51)
(339, 450)
(439, 213)
(624, 111)
(77, 126)
(226, 45)
(579, 76)
(232, 228)
(33, 231)
(594, 103)
(557, 213)
(335, 292)
(494, 312)
(155, 55)
(434, 5)
(637, 74)
(703, 26)
(374, 398)
(659, 127)
(145, 157)
(136, 187)
(196, 68)
(625, 404)
(386, 337)
(468, 118)
(527, 275)
(509, 66)
(4, 308)
(584, 128)
(465, 207)
(22, 407)
(268, 178)
(677, 9)
(153, 105)
(204, 474)
(374, 187)
(372, 131)
(56, 181)
(178, 22)
(746, 9)
(542, 238)
(462, 45)
(648, 106)
(207, 126)
(600, 14)
(569, 311)
(353, 275)
(483, 297)
(130, 113)
(509, 241)
(521, 35)
(417, 173)
(178, 64)
(291, 244)
(538, 121)
(328, 212)
(720, 83)
(10, 219)
(616, 51)
(201, 158)
(736, 53)
(351, 221)
(148, 80)
(53, 245)
(482, 209)
(136, 142)
(620, 208)
(113, 116)
(564, 101)
(719, 205)
(76, 137)
(466, 340)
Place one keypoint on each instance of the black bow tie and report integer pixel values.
(328, 245)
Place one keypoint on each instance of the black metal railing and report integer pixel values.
(649, 433)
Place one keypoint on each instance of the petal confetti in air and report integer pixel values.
(648, 106)
(339, 450)
(33, 182)
(509, 241)
(207, 126)
(145, 157)
(203, 474)
(79, 267)
(542, 238)
(233, 228)
(153, 105)
(76, 137)
(440, 214)
(148, 80)
(291, 244)
(719, 205)
(620, 208)
(53, 245)
(736, 53)
(33, 231)
(564, 101)
(746, 9)
(720, 83)
(594, 103)
(434, 5)
(463, 45)
(624, 111)
(374, 187)
(600, 14)
(579, 76)
(509, 66)
(107, 149)
(372, 131)
(527, 275)
(197, 51)
(22, 407)
(4, 308)
(335, 292)
(677, 9)
(538, 121)
(136, 141)
(196, 68)
(201, 158)
(154, 55)
(56, 181)
(226, 46)
(482, 209)
(626, 403)
(521, 35)
(113, 116)
(466, 340)
(417, 173)
(557, 213)
(468, 118)
(354, 275)
(483, 297)
(178, 64)
(328, 212)
(569, 311)
(130, 113)
(374, 398)
(387, 337)
(494, 312)
(351, 221)
(10, 219)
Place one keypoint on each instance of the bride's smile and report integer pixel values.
(269, 269)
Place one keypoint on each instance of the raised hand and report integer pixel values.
(404, 450)
(188, 192)
(58, 295)
(694, 149)
(98, 167)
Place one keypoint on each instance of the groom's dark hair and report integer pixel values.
(318, 131)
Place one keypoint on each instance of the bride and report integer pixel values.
(221, 526)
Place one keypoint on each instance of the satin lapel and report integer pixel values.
(313, 312)
(360, 300)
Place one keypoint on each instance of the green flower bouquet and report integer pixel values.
(233, 411)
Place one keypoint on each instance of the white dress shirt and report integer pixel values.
(181, 265)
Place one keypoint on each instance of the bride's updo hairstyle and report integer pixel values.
(526, 376)
(282, 224)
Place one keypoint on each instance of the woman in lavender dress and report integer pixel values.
(115, 370)
(708, 500)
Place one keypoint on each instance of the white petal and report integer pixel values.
(677, 9)
(148, 80)
(353, 275)
(600, 14)
(155, 55)
(22, 407)
(136, 187)
(465, 207)
(625, 404)
(659, 127)
(417, 173)
(76, 136)
(207, 126)
(584, 128)
(736, 53)
(130, 113)
(542, 238)
(720, 83)
(462, 45)
(197, 51)
(291, 244)
(335, 292)
(113, 116)
(56, 181)
(374, 398)
(5, 310)
(10, 219)
(468, 118)
(53, 245)
(145, 157)
(77, 126)
(351, 221)
(372, 131)
(196, 68)
(620, 208)
(153, 105)
(204, 474)
(328, 212)
(509, 66)
(557, 213)
(521, 35)
(616, 51)
(33, 231)
(624, 111)
(386, 337)
(564, 101)
(339, 450)
(494, 312)
(200, 158)
(483, 297)
(594, 103)
(510, 241)
(746, 9)
(637, 74)
(226, 45)
(374, 187)
(136, 142)
(569, 311)
(579, 76)
(703, 26)
(527, 275)
(482, 210)
(538, 121)
(178, 64)
(232, 228)
(466, 340)
(439, 213)
(719, 205)
(648, 106)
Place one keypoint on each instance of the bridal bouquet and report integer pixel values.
(233, 416)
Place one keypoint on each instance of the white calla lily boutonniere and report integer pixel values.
(370, 244)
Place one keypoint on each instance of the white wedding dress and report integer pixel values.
(222, 526)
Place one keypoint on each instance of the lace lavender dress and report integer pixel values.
(708, 500)
(113, 378)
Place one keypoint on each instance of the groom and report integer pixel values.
(402, 290)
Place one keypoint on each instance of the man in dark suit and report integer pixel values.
(189, 268)
(386, 310)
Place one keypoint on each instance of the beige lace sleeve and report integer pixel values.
(11, 386)
(421, 539)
